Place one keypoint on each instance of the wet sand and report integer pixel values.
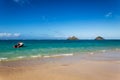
(60, 68)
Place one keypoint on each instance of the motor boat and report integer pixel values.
(20, 44)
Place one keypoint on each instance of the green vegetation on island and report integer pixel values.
(99, 38)
(72, 38)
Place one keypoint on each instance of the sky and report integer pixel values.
(59, 19)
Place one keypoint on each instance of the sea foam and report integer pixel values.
(57, 55)
(21, 57)
(35, 56)
(2, 59)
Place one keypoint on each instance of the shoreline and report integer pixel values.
(76, 67)
(4, 59)
(91, 66)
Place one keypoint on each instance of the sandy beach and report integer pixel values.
(59, 39)
(60, 68)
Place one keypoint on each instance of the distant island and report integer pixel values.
(75, 38)
(72, 38)
(99, 38)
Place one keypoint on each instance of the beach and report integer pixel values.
(74, 67)
(59, 39)
(60, 60)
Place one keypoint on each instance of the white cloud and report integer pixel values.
(16, 34)
(9, 34)
(109, 14)
(5, 34)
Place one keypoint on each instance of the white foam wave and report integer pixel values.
(67, 54)
(2, 59)
(92, 53)
(33, 56)
(58, 55)
(103, 51)
(21, 57)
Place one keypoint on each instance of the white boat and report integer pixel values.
(20, 44)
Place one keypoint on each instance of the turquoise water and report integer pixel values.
(53, 47)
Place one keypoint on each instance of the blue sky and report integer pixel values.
(59, 19)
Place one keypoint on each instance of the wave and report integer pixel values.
(21, 57)
(58, 55)
(39, 55)
(35, 56)
(3, 59)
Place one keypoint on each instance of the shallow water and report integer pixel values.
(46, 48)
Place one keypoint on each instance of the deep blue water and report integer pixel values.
(53, 47)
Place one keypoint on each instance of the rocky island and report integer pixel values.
(72, 38)
(99, 38)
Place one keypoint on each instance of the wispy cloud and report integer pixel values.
(109, 14)
(4, 34)
(16, 34)
(21, 2)
(16, 0)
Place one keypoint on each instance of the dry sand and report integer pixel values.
(61, 69)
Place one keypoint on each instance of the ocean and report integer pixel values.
(47, 48)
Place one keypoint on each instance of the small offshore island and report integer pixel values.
(75, 38)
(99, 38)
(72, 38)
(59, 39)
(61, 60)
